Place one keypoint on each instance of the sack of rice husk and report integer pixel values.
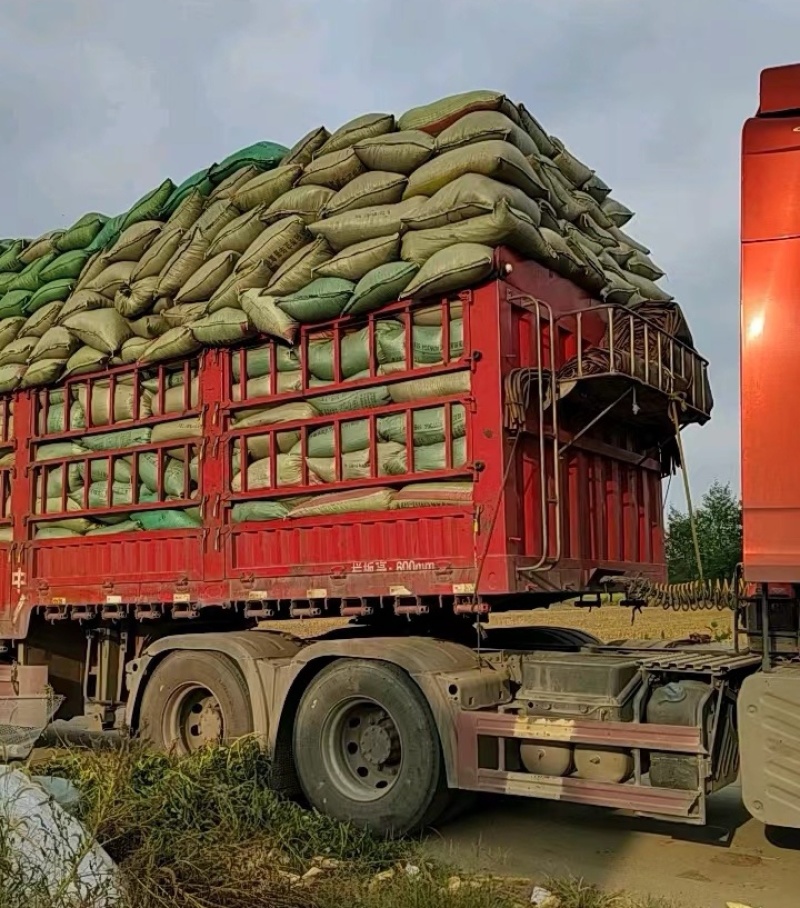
(426, 343)
(165, 520)
(355, 465)
(451, 269)
(276, 243)
(175, 343)
(298, 270)
(264, 155)
(217, 216)
(199, 183)
(373, 188)
(535, 130)
(228, 188)
(305, 201)
(254, 275)
(354, 436)
(427, 458)
(177, 399)
(343, 230)
(124, 526)
(319, 300)
(150, 206)
(396, 152)
(432, 386)
(55, 291)
(380, 286)
(177, 430)
(470, 196)
(112, 278)
(30, 278)
(132, 349)
(11, 375)
(13, 303)
(503, 227)
(99, 469)
(102, 329)
(355, 261)
(55, 343)
(80, 301)
(573, 169)
(81, 233)
(183, 313)
(134, 241)
(149, 326)
(263, 510)
(434, 315)
(186, 214)
(43, 319)
(85, 359)
(222, 328)
(354, 350)
(376, 499)
(239, 234)
(270, 416)
(124, 403)
(262, 387)
(10, 258)
(186, 259)
(499, 160)
(133, 300)
(58, 420)
(643, 265)
(482, 126)
(42, 372)
(66, 266)
(40, 247)
(367, 126)
(207, 279)
(333, 170)
(623, 239)
(257, 361)
(10, 328)
(617, 213)
(357, 399)
(173, 475)
(287, 472)
(122, 438)
(266, 188)
(266, 316)
(424, 494)
(428, 425)
(303, 151)
(438, 115)
(18, 351)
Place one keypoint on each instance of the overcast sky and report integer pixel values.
(101, 100)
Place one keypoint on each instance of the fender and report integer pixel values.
(245, 648)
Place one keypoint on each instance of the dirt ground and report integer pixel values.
(609, 622)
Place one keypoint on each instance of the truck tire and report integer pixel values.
(194, 699)
(367, 750)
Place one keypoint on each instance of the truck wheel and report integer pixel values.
(367, 750)
(194, 699)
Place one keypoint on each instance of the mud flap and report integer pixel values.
(769, 741)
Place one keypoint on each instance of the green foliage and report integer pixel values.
(719, 529)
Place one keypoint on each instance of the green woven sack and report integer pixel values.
(30, 278)
(9, 260)
(380, 286)
(49, 293)
(322, 299)
(264, 155)
(197, 181)
(150, 206)
(65, 266)
(81, 234)
(106, 237)
(13, 303)
(165, 520)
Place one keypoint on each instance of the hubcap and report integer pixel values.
(361, 748)
(194, 718)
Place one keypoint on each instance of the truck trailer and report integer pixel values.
(560, 416)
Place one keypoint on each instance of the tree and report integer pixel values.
(719, 530)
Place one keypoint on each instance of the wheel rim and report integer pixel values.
(361, 748)
(193, 718)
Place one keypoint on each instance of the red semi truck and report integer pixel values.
(572, 415)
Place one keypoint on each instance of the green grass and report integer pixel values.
(206, 831)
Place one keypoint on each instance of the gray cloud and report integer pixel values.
(101, 101)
